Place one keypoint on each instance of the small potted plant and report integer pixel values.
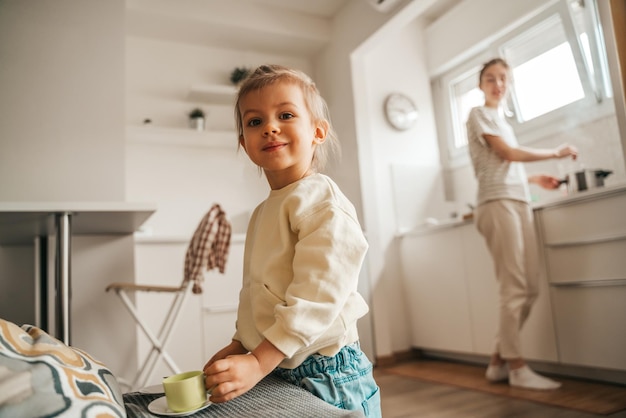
(238, 75)
(196, 119)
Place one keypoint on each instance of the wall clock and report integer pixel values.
(400, 111)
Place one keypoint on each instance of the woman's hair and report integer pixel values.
(489, 63)
(502, 62)
(266, 75)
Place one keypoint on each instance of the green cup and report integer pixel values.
(185, 391)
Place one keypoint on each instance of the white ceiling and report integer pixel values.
(292, 27)
(322, 8)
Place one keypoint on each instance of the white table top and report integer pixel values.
(20, 222)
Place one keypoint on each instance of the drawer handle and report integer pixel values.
(591, 283)
(589, 241)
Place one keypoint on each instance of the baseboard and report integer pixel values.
(398, 357)
(580, 372)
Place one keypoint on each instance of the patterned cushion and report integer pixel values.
(40, 376)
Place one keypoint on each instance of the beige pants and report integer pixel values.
(509, 231)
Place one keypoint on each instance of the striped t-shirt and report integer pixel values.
(497, 178)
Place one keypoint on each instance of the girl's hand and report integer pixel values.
(566, 150)
(235, 347)
(232, 376)
(236, 374)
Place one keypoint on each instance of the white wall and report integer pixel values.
(334, 74)
(386, 72)
(349, 104)
(364, 62)
(99, 323)
(62, 102)
(470, 26)
(185, 181)
(62, 139)
(393, 62)
(159, 75)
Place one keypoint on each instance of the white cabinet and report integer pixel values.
(453, 299)
(584, 247)
(579, 318)
(482, 288)
(591, 325)
(588, 220)
(436, 290)
(220, 300)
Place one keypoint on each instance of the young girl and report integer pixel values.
(299, 306)
(505, 219)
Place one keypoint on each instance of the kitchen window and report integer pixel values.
(558, 64)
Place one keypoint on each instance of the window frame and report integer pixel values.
(593, 106)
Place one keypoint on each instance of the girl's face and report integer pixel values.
(494, 83)
(278, 133)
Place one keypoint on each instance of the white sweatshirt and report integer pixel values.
(303, 253)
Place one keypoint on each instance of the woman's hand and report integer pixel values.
(545, 181)
(566, 150)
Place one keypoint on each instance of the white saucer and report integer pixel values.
(159, 407)
(152, 390)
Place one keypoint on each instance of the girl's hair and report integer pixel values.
(489, 63)
(266, 75)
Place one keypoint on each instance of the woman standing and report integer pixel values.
(505, 219)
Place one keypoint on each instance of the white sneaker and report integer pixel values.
(496, 373)
(526, 378)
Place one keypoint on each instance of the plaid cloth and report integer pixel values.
(208, 248)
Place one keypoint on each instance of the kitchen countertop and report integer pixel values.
(579, 196)
(596, 193)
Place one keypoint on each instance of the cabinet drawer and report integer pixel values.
(590, 325)
(589, 220)
(587, 262)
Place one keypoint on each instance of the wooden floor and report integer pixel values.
(404, 397)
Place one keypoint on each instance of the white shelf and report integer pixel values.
(181, 137)
(213, 93)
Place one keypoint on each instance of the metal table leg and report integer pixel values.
(63, 276)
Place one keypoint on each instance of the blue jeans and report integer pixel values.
(345, 380)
